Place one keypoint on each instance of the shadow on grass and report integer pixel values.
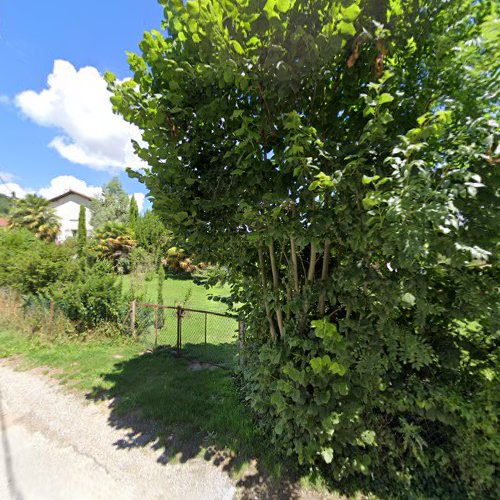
(185, 409)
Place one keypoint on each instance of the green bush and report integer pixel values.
(33, 266)
(93, 297)
(384, 409)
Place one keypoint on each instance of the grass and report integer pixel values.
(79, 364)
(179, 290)
(195, 411)
(219, 343)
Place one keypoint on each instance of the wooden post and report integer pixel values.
(241, 340)
(206, 315)
(133, 307)
(156, 326)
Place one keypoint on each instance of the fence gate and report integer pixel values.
(205, 335)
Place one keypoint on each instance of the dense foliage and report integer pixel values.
(338, 157)
(35, 213)
(114, 242)
(133, 212)
(92, 297)
(111, 206)
(42, 271)
(151, 234)
(32, 266)
(5, 204)
(82, 229)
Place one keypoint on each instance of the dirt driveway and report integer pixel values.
(56, 446)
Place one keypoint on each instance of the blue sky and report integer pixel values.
(40, 139)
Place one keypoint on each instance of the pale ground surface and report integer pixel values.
(54, 445)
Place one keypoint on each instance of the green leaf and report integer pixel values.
(109, 77)
(346, 28)
(327, 454)
(192, 7)
(383, 98)
(369, 202)
(269, 9)
(283, 5)
(342, 388)
(338, 369)
(351, 13)
(369, 180)
(368, 437)
(316, 364)
(408, 299)
(237, 47)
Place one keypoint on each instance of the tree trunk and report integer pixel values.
(272, 328)
(276, 287)
(324, 276)
(295, 266)
(312, 263)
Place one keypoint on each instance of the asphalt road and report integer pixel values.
(54, 445)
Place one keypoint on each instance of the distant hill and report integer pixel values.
(5, 204)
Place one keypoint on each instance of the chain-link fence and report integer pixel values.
(35, 316)
(206, 336)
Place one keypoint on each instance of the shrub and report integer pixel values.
(33, 266)
(143, 262)
(385, 411)
(93, 297)
(151, 234)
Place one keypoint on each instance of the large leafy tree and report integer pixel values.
(152, 235)
(35, 213)
(338, 157)
(111, 206)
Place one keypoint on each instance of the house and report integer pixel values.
(67, 207)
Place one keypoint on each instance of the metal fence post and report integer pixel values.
(179, 329)
(132, 317)
(156, 326)
(206, 316)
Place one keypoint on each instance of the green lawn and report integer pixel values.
(182, 291)
(207, 337)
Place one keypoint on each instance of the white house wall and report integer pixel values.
(68, 211)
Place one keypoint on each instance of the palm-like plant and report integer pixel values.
(113, 241)
(34, 213)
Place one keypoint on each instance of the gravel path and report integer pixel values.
(56, 446)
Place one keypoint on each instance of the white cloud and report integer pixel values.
(61, 184)
(10, 188)
(77, 103)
